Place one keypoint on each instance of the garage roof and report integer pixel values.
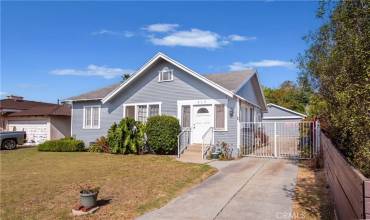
(51, 110)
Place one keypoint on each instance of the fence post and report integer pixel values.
(275, 150)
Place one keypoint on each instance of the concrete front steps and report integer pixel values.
(193, 154)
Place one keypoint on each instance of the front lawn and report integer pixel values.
(45, 185)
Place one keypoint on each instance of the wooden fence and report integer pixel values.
(349, 189)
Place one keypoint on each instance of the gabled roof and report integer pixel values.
(51, 110)
(12, 104)
(294, 113)
(228, 83)
(152, 61)
(96, 94)
(231, 80)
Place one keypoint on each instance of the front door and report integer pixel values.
(202, 121)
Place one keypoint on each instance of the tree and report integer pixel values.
(337, 68)
(288, 95)
(124, 77)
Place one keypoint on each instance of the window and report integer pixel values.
(141, 112)
(153, 110)
(202, 111)
(165, 74)
(220, 117)
(251, 118)
(185, 120)
(130, 112)
(91, 117)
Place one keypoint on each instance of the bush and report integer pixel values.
(62, 145)
(100, 146)
(126, 137)
(162, 134)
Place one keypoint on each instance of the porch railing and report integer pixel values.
(207, 141)
(183, 140)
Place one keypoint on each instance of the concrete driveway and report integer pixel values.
(250, 188)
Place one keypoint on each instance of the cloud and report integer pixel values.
(161, 27)
(263, 63)
(3, 93)
(93, 70)
(127, 34)
(193, 38)
(236, 37)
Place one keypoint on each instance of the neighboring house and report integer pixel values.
(163, 86)
(277, 113)
(41, 121)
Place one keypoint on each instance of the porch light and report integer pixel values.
(231, 112)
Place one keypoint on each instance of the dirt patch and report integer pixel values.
(311, 195)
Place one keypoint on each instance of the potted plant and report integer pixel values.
(88, 196)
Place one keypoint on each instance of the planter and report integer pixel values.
(88, 200)
(215, 155)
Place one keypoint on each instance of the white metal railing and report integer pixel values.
(183, 140)
(207, 141)
(280, 139)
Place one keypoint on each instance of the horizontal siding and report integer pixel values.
(147, 89)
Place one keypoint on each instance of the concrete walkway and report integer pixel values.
(250, 188)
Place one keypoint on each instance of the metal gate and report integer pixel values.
(298, 140)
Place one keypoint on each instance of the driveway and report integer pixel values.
(250, 188)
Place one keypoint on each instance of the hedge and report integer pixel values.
(162, 134)
(62, 145)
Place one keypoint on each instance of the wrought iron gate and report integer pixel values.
(280, 139)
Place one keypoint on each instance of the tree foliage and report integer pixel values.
(288, 95)
(336, 67)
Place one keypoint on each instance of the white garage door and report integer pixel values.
(36, 131)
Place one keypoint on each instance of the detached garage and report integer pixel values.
(277, 113)
(41, 121)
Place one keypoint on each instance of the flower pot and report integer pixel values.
(88, 200)
(215, 155)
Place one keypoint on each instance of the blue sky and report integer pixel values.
(61, 49)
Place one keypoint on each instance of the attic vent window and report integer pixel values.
(165, 74)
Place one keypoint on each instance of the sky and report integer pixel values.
(55, 50)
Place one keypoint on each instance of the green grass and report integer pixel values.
(45, 185)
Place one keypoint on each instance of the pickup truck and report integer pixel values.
(10, 139)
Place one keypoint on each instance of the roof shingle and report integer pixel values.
(229, 80)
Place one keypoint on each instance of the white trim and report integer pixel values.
(289, 110)
(238, 123)
(212, 102)
(77, 100)
(142, 103)
(165, 69)
(283, 117)
(71, 118)
(175, 63)
(84, 112)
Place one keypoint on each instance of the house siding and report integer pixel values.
(146, 88)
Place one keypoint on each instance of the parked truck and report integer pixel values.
(10, 139)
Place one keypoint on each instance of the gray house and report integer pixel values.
(277, 113)
(164, 86)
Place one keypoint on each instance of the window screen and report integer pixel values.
(88, 117)
(185, 120)
(130, 112)
(153, 110)
(220, 116)
(92, 117)
(142, 113)
(95, 117)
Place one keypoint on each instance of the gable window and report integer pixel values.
(220, 119)
(91, 117)
(141, 112)
(165, 74)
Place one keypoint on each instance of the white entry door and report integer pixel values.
(202, 121)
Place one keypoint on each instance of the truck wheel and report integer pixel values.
(9, 144)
